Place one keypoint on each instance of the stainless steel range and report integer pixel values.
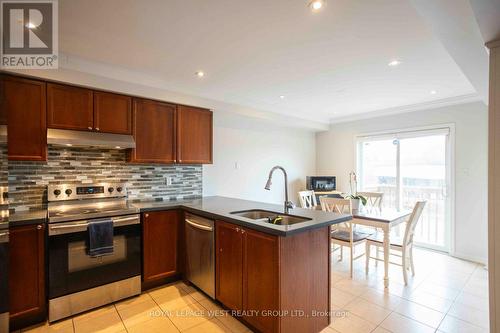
(83, 275)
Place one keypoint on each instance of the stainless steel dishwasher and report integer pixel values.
(200, 252)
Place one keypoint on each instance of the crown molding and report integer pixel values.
(84, 72)
(75, 63)
(493, 44)
(462, 99)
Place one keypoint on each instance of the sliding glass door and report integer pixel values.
(409, 167)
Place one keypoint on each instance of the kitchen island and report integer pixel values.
(275, 278)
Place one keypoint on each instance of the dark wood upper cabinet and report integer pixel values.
(163, 132)
(3, 102)
(260, 279)
(112, 113)
(26, 274)
(24, 103)
(229, 265)
(69, 107)
(194, 135)
(160, 244)
(154, 132)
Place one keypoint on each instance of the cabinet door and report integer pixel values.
(26, 273)
(112, 113)
(154, 132)
(260, 279)
(229, 262)
(24, 102)
(194, 135)
(69, 107)
(160, 232)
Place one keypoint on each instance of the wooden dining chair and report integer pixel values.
(308, 199)
(343, 234)
(373, 199)
(403, 246)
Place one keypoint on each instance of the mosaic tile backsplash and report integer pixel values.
(28, 180)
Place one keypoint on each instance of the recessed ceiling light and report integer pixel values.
(316, 5)
(30, 25)
(394, 63)
(69, 144)
(117, 147)
(200, 74)
(433, 92)
(282, 97)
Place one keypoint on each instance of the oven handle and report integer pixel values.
(199, 226)
(80, 226)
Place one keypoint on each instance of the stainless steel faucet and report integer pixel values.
(288, 204)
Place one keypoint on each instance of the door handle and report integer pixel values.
(199, 226)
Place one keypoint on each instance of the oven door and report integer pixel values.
(72, 270)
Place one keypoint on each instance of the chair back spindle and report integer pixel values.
(373, 199)
(308, 199)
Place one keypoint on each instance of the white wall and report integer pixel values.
(336, 156)
(256, 147)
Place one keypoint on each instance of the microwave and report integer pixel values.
(321, 183)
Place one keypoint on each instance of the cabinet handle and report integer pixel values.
(39, 227)
(220, 250)
(237, 229)
(97, 128)
(242, 231)
(90, 128)
(146, 215)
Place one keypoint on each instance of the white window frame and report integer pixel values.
(411, 132)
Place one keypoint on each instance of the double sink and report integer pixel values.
(270, 217)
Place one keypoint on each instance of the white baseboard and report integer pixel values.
(477, 260)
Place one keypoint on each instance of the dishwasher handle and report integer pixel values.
(199, 226)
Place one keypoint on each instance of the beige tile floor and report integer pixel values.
(446, 295)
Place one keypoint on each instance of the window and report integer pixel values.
(409, 167)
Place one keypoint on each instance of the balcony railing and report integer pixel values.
(431, 228)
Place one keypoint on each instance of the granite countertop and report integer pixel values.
(215, 208)
(28, 217)
(220, 208)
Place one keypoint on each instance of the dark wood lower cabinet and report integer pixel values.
(160, 232)
(260, 279)
(247, 274)
(229, 265)
(280, 284)
(27, 300)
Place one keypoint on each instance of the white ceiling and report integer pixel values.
(331, 64)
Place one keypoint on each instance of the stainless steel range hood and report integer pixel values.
(89, 139)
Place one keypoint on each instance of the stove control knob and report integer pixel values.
(110, 189)
(119, 189)
(68, 191)
(57, 192)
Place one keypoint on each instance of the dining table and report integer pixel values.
(383, 219)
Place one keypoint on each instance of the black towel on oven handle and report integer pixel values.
(100, 233)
